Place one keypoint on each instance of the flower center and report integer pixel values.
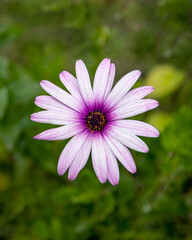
(95, 121)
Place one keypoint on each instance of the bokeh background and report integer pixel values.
(41, 38)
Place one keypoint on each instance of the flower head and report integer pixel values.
(96, 119)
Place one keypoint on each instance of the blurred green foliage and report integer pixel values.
(39, 39)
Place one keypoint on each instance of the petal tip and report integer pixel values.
(59, 171)
(71, 178)
(79, 61)
(102, 180)
(36, 137)
(157, 103)
(36, 99)
(43, 83)
(115, 182)
(106, 60)
(137, 72)
(32, 117)
(79, 65)
(134, 170)
(36, 102)
(39, 137)
(146, 150)
(156, 134)
(112, 65)
(61, 75)
(152, 105)
(64, 73)
(149, 88)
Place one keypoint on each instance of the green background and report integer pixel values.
(41, 38)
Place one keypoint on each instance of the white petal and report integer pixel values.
(136, 127)
(121, 88)
(70, 151)
(112, 165)
(70, 82)
(81, 159)
(49, 103)
(139, 93)
(59, 118)
(135, 95)
(133, 108)
(110, 81)
(128, 139)
(122, 153)
(99, 158)
(60, 133)
(61, 95)
(84, 82)
(100, 80)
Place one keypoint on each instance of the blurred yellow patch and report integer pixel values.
(160, 120)
(166, 79)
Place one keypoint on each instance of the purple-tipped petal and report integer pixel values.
(80, 160)
(122, 153)
(121, 88)
(70, 151)
(135, 95)
(136, 127)
(128, 139)
(70, 82)
(133, 108)
(84, 82)
(99, 158)
(58, 118)
(100, 80)
(60, 133)
(49, 103)
(110, 80)
(61, 95)
(112, 165)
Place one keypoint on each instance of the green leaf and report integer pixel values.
(165, 79)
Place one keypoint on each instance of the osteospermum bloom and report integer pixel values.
(96, 119)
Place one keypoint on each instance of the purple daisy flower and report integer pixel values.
(96, 119)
